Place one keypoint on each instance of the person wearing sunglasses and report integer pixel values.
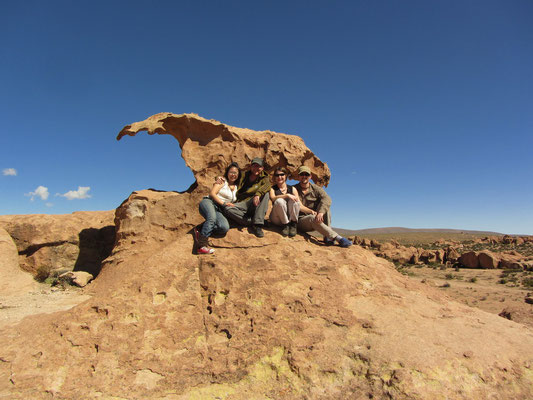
(314, 210)
(285, 204)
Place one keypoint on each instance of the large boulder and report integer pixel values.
(469, 259)
(208, 146)
(488, 259)
(261, 318)
(50, 244)
(12, 279)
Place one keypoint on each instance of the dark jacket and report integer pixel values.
(248, 189)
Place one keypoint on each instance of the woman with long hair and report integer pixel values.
(285, 203)
(211, 207)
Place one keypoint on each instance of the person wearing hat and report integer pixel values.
(252, 198)
(314, 209)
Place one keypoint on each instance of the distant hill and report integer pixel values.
(398, 229)
(417, 237)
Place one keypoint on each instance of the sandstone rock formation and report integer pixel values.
(262, 318)
(12, 279)
(58, 243)
(271, 318)
(208, 146)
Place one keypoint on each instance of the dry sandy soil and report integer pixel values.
(479, 288)
(44, 299)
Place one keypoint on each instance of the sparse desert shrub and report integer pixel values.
(449, 276)
(527, 282)
(446, 285)
(43, 273)
(503, 281)
(473, 280)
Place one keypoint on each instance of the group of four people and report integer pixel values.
(244, 199)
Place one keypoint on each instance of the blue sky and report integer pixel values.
(423, 110)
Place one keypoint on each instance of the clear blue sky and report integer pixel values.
(422, 109)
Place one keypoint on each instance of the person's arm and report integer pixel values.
(293, 195)
(307, 210)
(323, 205)
(325, 201)
(214, 194)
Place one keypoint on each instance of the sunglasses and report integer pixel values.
(279, 174)
(305, 174)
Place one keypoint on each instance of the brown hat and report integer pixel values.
(303, 168)
(258, 161)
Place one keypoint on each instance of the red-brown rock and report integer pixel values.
(208, 146)
(488, 259)
(470, 259)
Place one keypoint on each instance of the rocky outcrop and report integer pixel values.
(280, 318)
(12, 279)
(471, 259)
(208, 146)
(274, 317)
(53, 244)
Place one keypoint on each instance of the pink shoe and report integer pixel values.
(205, 250)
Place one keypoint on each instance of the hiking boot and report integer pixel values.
(258, 231)
(205, 250)
(285, 231)
(293, 228)
(343, 242)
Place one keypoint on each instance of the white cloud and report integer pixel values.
(9, 172)
(81, 193)
(49, 204)
(41, 192)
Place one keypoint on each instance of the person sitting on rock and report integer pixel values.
(211, 208)
(252, 198)
(285, 204)
(314, 211)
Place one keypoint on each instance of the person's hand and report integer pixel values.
(219, 180)
(256, 200)
(229, 205)
(293, 197)
(319, 217)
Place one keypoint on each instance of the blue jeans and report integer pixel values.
(215, 221)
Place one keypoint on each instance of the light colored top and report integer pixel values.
(226, 194)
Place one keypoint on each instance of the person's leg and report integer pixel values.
(293, 210)
(278, 214)
(308, 223)
(238, 212)
(222, 224)
(208, 211)
(260, 210)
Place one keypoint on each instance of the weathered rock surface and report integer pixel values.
(262, 318)
(59, 243)
(276, 318)
(12, 279)
(208, 146)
